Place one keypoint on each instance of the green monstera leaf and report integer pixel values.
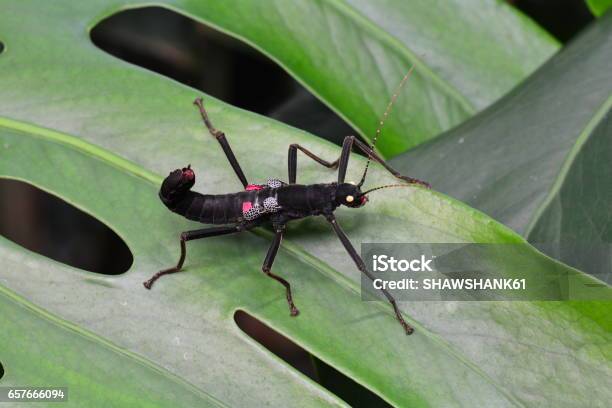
(350, 54)
(99, 372)
(99, 133)
(599, 7)
(538, 160)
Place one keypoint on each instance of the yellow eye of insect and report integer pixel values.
(349, 199)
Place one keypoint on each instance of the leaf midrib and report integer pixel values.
(290, 247)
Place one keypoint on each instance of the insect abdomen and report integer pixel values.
(207, 208)
(215, 209)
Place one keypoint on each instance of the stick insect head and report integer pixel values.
(350, 195)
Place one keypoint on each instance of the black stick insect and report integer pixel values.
(276, 202)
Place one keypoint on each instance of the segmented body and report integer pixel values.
(292, 201)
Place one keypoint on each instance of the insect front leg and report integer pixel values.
(220, 136)
(349, 141)
(189, 236)
(267, 266)
(292, 161)
(361, 266)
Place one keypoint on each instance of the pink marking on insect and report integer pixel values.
(251, 187)
(246, 206)
(188, 174)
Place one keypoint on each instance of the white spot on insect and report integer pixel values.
(271, 205)
(274, 183)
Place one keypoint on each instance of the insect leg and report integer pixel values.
(293, 161)
(349, 141)
(347, 145)
(189, 236)
(220, 136)
(374, 156)
(267, 265)
(361, 266)
(341, 163)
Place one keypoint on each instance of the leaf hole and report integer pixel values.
(564, 21)
(334, 381)
(46, 224)
(1, 370)
(1, 47)
(199, 56)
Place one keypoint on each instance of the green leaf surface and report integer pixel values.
(539, 159)
(185, 324)
(599, 7)
(98, 371)
(350, 54)
(97, 132)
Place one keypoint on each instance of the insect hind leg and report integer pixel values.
(220, 136)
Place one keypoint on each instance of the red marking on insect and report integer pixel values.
(246, 206)
(188, 174)
(251, 187)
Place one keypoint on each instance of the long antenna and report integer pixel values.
(385, 186)
(382, 120)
